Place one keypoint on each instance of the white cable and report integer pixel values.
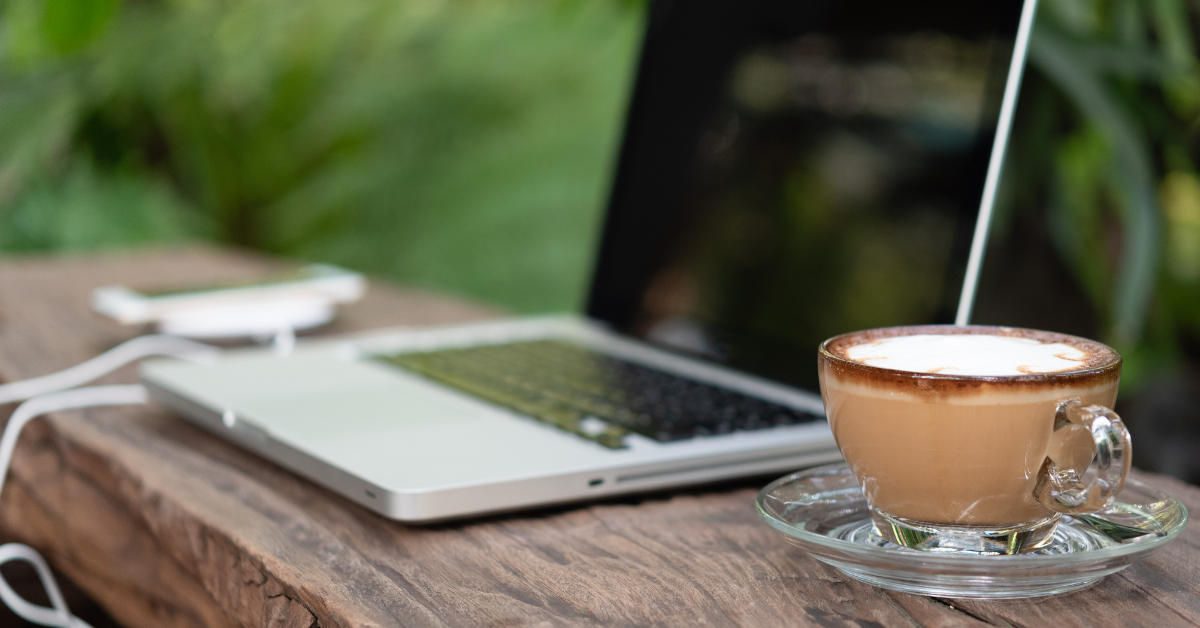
(53, 402)
(983, 222)
(57, 614)
(284, 342)
(43, 396)
(111, 360)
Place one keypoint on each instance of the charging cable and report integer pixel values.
(107, 362)
(55, 392)
(58, 614)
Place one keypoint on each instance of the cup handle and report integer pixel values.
(1060, 488)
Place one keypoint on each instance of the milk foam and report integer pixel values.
(968, 354)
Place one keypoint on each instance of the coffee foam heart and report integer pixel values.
(969, 354)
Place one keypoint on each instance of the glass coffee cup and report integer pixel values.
(973, 438)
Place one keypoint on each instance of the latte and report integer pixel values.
(952, 425)
(969, 354)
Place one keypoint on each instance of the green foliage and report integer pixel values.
(1105, 138)
(458, 144)
(71, 24)
(81, 210)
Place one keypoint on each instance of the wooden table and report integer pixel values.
(165, 525)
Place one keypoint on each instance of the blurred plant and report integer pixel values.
(464, 144)
(456, 143)
(1106, 136)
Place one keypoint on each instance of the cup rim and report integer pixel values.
(908, 330)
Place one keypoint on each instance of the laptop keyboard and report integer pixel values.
(595, 396)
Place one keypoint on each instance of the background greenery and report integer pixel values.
(452, 143)
(466, 145)
(1103, 168)
(1104, 151)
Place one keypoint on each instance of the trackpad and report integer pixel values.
(349, 412)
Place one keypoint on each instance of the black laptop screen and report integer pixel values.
(795, 170)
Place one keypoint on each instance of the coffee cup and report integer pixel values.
(975, 438)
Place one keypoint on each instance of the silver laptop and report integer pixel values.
(789, 171)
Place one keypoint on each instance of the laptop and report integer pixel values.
(789, 171)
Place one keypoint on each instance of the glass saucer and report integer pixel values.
(823, 512)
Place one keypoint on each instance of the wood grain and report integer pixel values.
(167, 526)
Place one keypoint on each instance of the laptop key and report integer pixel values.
(592, 395)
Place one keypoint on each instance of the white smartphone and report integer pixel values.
(300, 298)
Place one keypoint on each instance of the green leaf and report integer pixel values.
(1132, 174)
(69, 25)
(1175, 38)
(85, 209)
(38, 115)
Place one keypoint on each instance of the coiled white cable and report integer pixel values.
(43, 396)
(57, 614)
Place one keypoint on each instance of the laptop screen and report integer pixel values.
(795, 170)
